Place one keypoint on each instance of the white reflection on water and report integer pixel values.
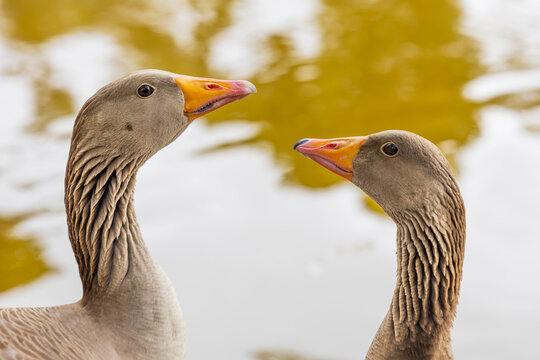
(258, 265)
(490, 86)
(241, 49)
(500, 294)
(508, 31)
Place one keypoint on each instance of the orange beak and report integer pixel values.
(204, 95)
(336, 155)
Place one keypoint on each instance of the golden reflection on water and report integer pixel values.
(51, 104)
(386, 64)
(383, 65)
(20, 257)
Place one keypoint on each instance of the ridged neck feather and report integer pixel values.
(102, 226)
(430, 251)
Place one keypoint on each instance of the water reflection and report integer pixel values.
(51, 104)
(383, 64)
(145, 30)
(21, 260)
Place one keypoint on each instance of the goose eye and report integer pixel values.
(389, 149)
(145, 90)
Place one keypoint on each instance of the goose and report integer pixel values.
(412, 182)
(129, 309)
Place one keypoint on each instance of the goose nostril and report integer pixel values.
(330, 146)
(213, 86)
(300, 142)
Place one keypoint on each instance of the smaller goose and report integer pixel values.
(129, 308)
(412, 182)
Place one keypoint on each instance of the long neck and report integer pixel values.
(430, 250)
(123, 287)
(102, 226)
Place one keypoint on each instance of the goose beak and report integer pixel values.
(336, 155)
(203, 95)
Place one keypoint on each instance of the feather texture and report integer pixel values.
(430, 251)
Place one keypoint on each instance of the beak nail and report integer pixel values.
(300, 142)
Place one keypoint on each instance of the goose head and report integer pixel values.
(398, 169)
(146, 110)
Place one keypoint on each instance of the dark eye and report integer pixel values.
(145, 90)
(389, 149)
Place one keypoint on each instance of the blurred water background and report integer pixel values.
(272, 256)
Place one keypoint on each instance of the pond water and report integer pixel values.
(224, 209)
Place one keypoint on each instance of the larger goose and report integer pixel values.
(411, 180)
(129, 308)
